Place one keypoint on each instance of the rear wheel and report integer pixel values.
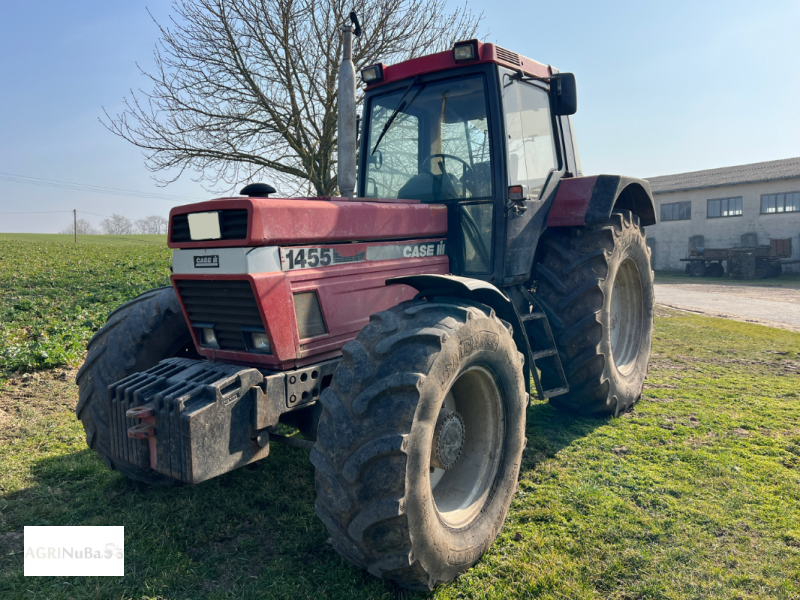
(420, 441)
(715, 270)
(596, 286)
(137, 335)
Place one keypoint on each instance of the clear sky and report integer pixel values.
(663, 88)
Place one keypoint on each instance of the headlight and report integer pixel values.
(256, 340)
(259, 341)
(208, 337)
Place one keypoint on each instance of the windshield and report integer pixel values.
(436, 147)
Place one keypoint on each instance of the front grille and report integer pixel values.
(232, 226)
(228, 305)
(507, 55)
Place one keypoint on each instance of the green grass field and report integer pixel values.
(696, 494)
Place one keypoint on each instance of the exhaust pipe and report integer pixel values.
(346, 174)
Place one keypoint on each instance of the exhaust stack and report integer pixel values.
(347, 115)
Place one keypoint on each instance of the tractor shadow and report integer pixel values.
(251, 533)
(549, 431)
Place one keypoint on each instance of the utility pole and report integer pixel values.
(75, 224)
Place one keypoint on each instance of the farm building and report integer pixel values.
(721, 208)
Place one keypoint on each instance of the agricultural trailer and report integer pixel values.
(708, 262)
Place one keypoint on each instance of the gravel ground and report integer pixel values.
(774, 307)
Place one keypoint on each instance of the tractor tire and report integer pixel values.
(596, 286)
(715, 270)
(445, 370)
(697, 269)
(762, 269)
(136, 336)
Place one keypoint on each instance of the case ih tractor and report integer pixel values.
(402, 326)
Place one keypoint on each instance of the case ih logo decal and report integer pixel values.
(311, 258)
(210, 261)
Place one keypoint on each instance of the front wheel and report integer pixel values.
(596, 287)
(420, 441)
(137, 336)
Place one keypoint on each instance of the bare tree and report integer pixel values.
(154, 224)
(84, 228)
(117, 225)
(246, 89)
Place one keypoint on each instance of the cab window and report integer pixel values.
(430, 142)
(530, 143)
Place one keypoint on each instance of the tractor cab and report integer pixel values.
(480, 129)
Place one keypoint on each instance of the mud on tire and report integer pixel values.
(604, 338)
(136, 336)
(373, 461)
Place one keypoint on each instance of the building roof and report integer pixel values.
(772, 170)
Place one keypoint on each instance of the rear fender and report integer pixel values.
(475, 290)
(586, 200)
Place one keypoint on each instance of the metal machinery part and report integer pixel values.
(193, 420)
(627, 316)
(470, 437)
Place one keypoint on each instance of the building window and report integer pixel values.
(725, 207)
(778, 203)
(677, 211)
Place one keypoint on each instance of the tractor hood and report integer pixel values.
(288, 221)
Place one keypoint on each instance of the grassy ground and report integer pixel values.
(694, 494)
(786, 280)
(88, 240)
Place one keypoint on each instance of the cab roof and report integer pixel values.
(442, 61)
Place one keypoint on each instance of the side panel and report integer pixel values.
(583, 200)
(348, 293)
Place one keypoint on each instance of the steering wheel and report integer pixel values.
(444, 171)
(470, 227)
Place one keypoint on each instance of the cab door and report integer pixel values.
(534, 162)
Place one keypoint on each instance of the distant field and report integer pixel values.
(54, 296)
(102, 240)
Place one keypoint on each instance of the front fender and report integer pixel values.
(475, 290)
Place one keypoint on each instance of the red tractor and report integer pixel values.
(402, 327)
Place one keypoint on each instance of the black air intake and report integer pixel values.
(228, 305)
(232, 226)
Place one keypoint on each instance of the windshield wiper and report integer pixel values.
(400, 106)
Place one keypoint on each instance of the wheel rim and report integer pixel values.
(460, 492)
(626, 318)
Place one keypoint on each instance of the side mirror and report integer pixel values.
(563, 94)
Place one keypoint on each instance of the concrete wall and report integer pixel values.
(671, 238)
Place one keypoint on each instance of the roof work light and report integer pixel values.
(464, 51)
(372, 74)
